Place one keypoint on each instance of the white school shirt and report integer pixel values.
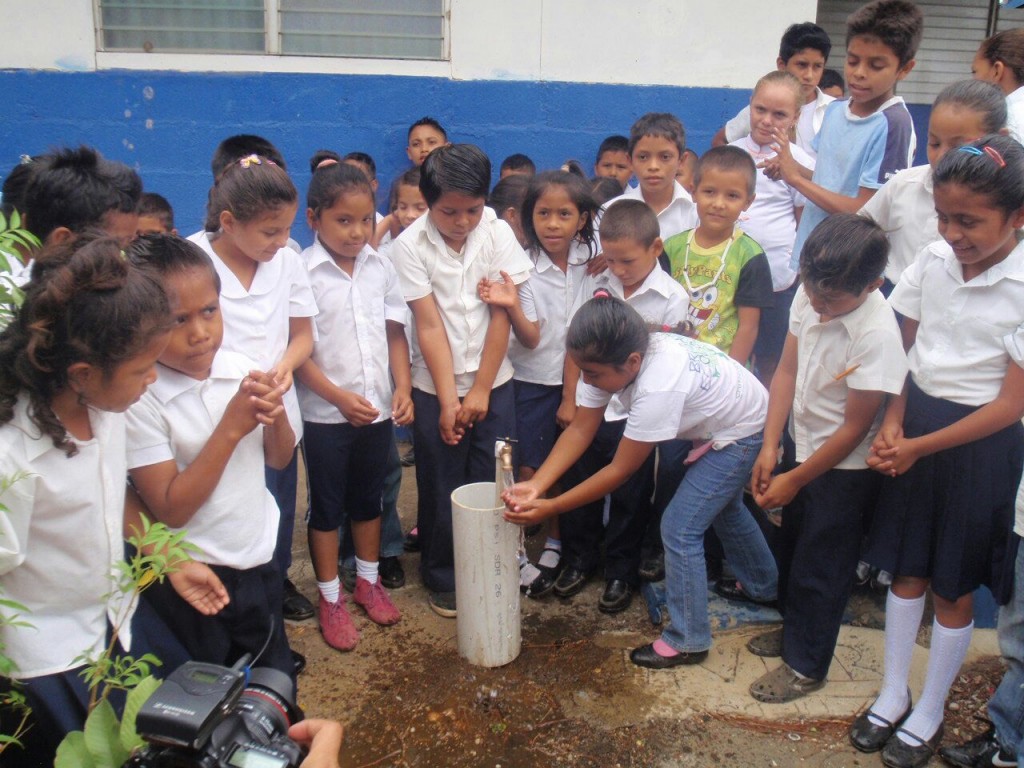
(867, 344)
(256, 321)
(905, 208)
(807, 124)
(968, 333)
(1015, 114)
(771, 218)
(60, 542)
(549, 297)
(237, 525)
(426, 266)
(689, 390)
(678, 216)
(351, 347)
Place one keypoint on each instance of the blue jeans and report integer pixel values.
(1006, 707)
(283, 485)
(711, 493)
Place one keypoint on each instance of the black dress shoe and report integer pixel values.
(411, 542)
(731, 590)
(294, 606)
(867, 736)
(392, 574)
(652, 568)
(983, 750)
(298, 662)
(646, 656)
(898, 754)
(571, 581)
(618, 594)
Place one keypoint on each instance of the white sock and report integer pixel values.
(902, 619)
(330, 589)
(549, 558)
(949, 647)
(366, 570)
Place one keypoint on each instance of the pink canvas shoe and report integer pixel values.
(375, 600)
(336, 624)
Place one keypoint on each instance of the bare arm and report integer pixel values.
(437, 354)
(780, 403)
(742, 346)
(570, 379)
(476, 402)
(300, 347)
(398, 358)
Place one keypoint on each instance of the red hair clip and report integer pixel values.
(601, 293)
(994, 154)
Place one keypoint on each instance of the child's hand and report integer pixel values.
(200, 587)
(267, 394)
(500, 294)
(282, 377)
(771, 168)
(788, 167)
(597, 265)
(401, 408)
(523, 505)
(883, 447)
(247, 409)
(448, 424)
(565, 413)
(357, 410)
(780, 491)
(761, 477)
(474, 407)
(896, 459)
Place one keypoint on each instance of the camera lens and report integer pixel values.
(266, 704)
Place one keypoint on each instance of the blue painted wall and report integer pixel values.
(166, 124)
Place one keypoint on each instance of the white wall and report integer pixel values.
(701, 43)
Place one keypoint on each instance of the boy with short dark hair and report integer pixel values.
(724, 271)
(461, 375)
(425, 135)
(156, 217)
(613, 160)
(803, 52)
(865, 140)
(517, 163)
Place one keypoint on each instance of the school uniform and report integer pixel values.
(256, 324)
(822, 528)
(905, 209)
(949, 517)
(1015, 114)
(548, 298)
(812, 114)
(428, 267)
(347, 465)
(679, 215)
(235, 529)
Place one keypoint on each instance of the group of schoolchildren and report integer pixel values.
(739, 323)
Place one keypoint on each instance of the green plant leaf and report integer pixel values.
(130, 738)
(72, 752)
(102, 736)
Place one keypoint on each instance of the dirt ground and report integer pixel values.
(407, 699)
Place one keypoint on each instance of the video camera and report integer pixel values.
(209, 716)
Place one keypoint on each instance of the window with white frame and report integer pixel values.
(393, 29)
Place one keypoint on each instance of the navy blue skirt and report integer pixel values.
(949, 518)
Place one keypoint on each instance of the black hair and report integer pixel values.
(661, 125)
(897, 24)
(320, 156)
(799, 37)
(997, 172)
(462, 168)
(363, 159)
(430, 122)
(630, 220)
(977, 96)
(1006, 47)
(575, 167)
(12, 198)
(831, 78)
(605, 188)
(509, 193)
(85, 303)
(579, 193)
(157, 206)
(845, 252)
(728, 158)
(170, 255)
(248, 188)
(606, 331)
(518, 162)
(234, 148)
(409, 178)
(76, 188)
(614, 143)
(331, 182)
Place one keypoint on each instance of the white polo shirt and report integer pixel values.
(969, 332)
(679, 215)
(352, 344)
(549, 297)
(771, 218)
(256, 321)
(807, 125)
(425, 266)
(905, 208)
(689, 390)
(60, 541)
(1015, 114)
(866, 346)
(237, 525)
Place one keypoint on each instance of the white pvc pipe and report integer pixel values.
(486, 577)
